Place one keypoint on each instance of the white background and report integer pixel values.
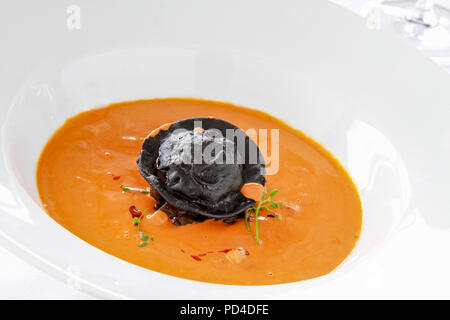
(19, 280)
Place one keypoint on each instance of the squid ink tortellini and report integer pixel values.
(197, 167)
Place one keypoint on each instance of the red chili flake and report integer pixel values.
(197, 257)
(116, 177)
(135, 212)
(182, 250)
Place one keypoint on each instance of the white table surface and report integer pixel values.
(20, 280)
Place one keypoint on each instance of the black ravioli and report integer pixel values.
(196, 189)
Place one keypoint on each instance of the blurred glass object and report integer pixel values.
(422, 23)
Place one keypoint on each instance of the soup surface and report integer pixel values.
(86, 163)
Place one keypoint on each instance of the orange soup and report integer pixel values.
(85, 165)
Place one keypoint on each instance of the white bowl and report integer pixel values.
(379, 106)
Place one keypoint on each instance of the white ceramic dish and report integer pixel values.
(381, 108)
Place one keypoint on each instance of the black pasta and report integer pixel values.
(197, 167)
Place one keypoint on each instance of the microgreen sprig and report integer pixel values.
(145, 238)
(266, 203)
(128, 189)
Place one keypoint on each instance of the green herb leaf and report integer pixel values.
(143, 236)
(143, 244)
(273, 204)
(263, 196)
(144, 191)
(136, 221)
(274, 193)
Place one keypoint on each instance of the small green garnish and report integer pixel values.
(273, 204)
(247, 218)
(274, 193)
(128, 189)
(142, 235)
(266, 201)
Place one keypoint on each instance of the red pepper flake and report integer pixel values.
(116, 177)
(182, 250)
(135, 212)
(197, 257)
